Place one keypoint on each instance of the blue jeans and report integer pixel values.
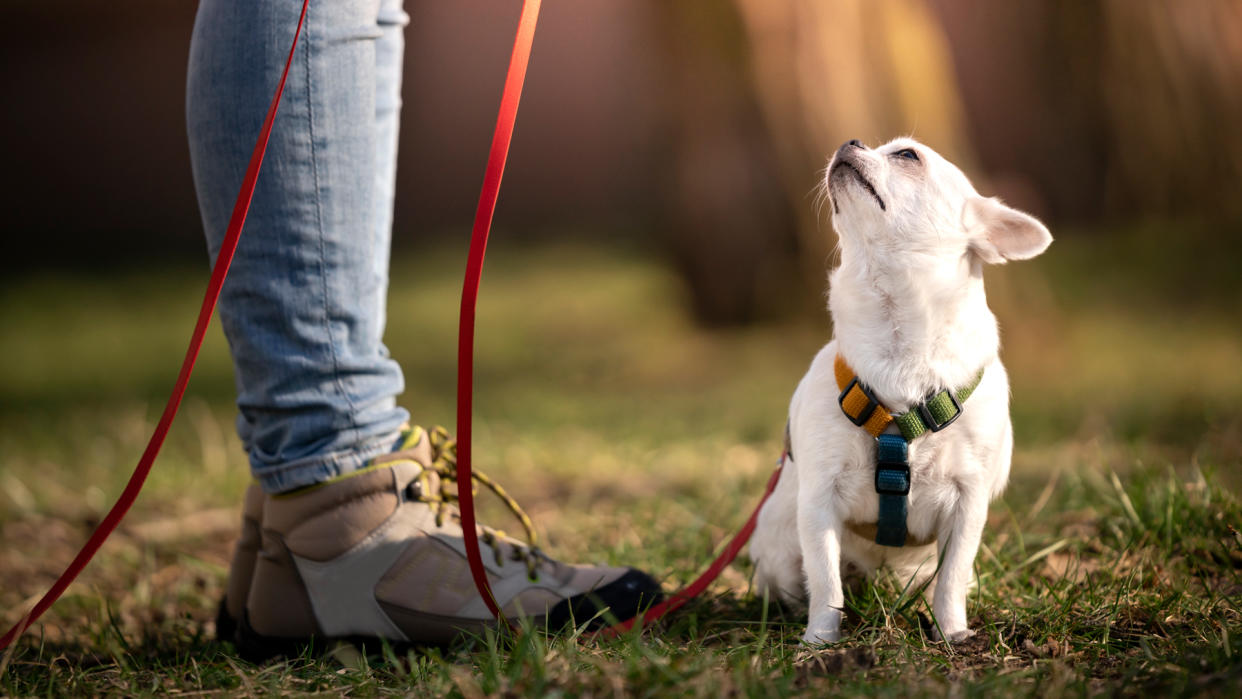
(304, 304)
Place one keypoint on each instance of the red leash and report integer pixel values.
(218, 272)
(707, 577)
(465, 347)
(509, 99)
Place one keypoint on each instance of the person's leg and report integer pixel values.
(303, 307)
(375, 551)
(297, 391)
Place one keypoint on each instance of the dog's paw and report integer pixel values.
(953, 636)
(819, 635)
(823, 627)
(816, 638)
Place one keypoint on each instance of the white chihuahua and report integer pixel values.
(887, 462)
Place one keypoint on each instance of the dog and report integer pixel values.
(914, 342)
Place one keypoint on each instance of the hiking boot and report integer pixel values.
(379, 553)
(242, 569)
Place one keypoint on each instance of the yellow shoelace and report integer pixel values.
(444, 464)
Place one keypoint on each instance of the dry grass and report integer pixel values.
(632, 435)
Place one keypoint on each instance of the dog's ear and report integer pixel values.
(999, 234)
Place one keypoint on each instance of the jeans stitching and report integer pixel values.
(323, 276)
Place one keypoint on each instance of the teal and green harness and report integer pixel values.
(892, 467)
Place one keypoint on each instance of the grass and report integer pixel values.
(1111, 565)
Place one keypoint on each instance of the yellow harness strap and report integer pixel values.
(856, 401)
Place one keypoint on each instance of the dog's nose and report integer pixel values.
(852, 143)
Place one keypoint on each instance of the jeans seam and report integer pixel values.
(323, 276)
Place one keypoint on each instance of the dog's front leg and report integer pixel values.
(819, 529)
(959, 543)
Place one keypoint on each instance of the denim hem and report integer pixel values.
(317, 469)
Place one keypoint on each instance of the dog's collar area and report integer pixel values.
(862, 407)
(892, 451)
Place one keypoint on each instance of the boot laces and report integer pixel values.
(444, 503)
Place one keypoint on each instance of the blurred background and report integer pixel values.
(655, 288)
(700, 127)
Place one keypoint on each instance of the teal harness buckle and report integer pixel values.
(892, 483)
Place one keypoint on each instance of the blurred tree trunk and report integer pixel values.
(1030, 76)
(1108, 109)
(730, 228)
(1173, 94)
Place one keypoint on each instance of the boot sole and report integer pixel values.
(624, 598)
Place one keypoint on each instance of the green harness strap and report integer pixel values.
(936, 412)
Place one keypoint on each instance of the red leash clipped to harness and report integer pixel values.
(694, 589)
(465, 370)
(465, 348)
(218, 272)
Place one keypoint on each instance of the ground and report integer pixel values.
(1111, 565)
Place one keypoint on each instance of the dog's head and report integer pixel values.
(904, 197)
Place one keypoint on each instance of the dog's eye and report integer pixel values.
(907, 153)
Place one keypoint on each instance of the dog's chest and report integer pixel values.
(836, 458)
(935, 484)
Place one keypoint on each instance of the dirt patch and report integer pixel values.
(812, 664)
